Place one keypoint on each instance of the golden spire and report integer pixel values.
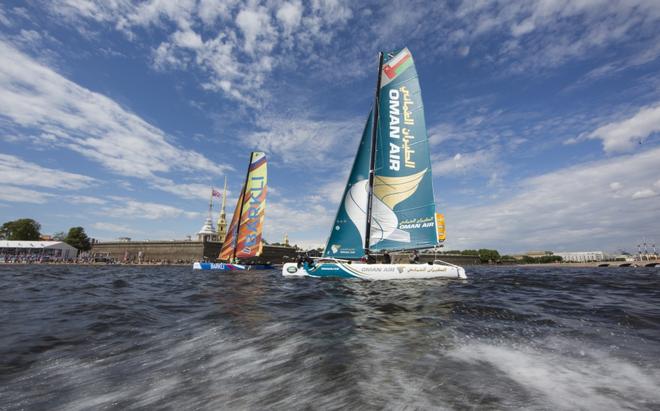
(222, 221)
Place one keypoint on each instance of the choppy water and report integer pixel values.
(80, 338)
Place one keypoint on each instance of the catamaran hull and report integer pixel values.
(230, 267)
(374, 271)
(218, 266)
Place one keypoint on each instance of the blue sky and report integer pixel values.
(544, 116)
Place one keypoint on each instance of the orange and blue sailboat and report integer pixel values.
(244, 235)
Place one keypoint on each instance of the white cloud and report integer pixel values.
(16, 171)
(624, 135)
(573, 208)
(255, 24)
(114, 228)
(305, 223)
(289, 15)
(616, 186)
(479, 161)
(190, 191)
(237, 54)
(645, 193)
(3, 18)
(145, 210)
(85, 200)
(20, 195)
(34, 96)
(296, 140)
(187, 39)
(210, 10)
(539, 34)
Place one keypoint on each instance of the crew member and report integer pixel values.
(414, 257)
(387, 259)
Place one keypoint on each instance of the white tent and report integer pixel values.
(51, 249)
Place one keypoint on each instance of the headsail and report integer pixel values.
(348, 231)
(403, 214)
(245, 231)
(402, 206)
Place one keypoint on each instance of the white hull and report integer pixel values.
(374, 272)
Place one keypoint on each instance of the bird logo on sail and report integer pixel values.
(388, 192)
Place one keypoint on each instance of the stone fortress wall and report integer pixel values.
(179, 251)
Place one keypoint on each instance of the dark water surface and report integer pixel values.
(88, 338)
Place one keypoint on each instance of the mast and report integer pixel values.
(372, 154)
(240, 212)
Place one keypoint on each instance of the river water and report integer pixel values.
(164, 337)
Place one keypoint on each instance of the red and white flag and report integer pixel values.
(215, 193)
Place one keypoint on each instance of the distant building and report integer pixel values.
(124, 239)
(33, 250)
(532, 254)
(207, 232)
(581, 256)
(538, 254)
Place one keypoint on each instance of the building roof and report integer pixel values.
(35, 244)
(207, 228)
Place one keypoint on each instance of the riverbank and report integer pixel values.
(623, 264)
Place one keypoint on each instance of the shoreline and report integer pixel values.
(599, 264)
(614, 264)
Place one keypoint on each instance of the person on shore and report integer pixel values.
(414, 257)
(387, 259)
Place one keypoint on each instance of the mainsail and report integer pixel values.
(399, 197)
(245, 230)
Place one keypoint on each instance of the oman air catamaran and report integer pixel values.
(243, 240)
(388, 202)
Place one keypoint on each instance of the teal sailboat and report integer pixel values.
(388, 202)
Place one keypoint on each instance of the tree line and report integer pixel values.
(493, 256)
(27, 229)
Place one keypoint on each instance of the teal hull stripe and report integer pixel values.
(330, 270)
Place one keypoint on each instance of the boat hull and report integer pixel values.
(373, 271)
(230, 267)
(218, 266)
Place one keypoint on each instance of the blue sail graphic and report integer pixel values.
(403, 207)
(348, 231)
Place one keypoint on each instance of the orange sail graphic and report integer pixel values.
(245, 231)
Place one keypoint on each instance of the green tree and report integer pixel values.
(487, 255)
(78, 238)
(24, 229)
(470, 252)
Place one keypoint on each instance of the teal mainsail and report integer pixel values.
(403, 211)
(396, 203)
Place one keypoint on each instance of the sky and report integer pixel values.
(543, 116)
